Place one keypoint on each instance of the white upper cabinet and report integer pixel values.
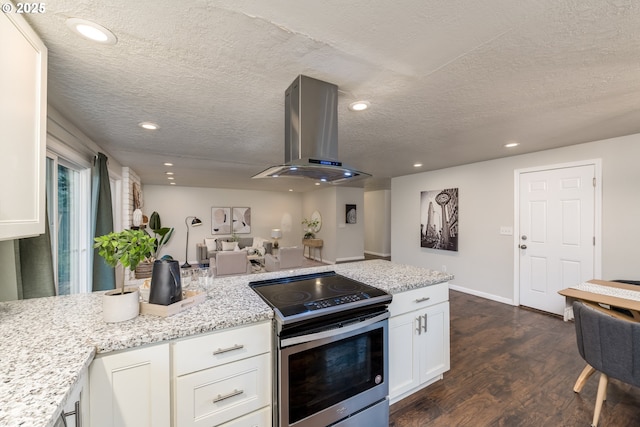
(23, 118)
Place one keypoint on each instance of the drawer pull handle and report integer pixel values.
(225, 350)
(227, 396)
(423, 299)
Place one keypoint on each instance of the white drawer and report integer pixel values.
(261, 418)
(415, 299)
(221, 394)
(206, 351)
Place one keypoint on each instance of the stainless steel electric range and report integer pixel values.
(331, 346)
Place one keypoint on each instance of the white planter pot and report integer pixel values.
(118, 307)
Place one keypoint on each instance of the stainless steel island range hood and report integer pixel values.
(311, 135)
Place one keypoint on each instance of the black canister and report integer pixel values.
(166, 287)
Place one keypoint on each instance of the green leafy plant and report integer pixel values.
(310, 227)
(127, 247)
(161, 235)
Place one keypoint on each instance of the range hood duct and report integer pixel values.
(311, 135)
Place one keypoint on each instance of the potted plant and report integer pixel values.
(311, 226)
(128, 248)
(161, 236)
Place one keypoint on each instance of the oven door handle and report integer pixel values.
(333, 332)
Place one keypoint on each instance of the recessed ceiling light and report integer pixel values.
(168, 164)
(417, 165)
(91, 30)
(172, 183)
(169, 173)
(291, 189)
(359, 105)
(148, 125)
(511, 144)
(170, 177)
(317, 183)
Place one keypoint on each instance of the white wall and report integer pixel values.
(377, 222)
(349, 237)
(341, 241)
(269, 209)
(484, 263)
(323, 201)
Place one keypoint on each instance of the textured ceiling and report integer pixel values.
(449, 81)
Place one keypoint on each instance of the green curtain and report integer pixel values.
(34, 265)
(104, 277)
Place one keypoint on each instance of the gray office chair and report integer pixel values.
(606, 343)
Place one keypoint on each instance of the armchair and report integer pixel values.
(230, 262)
(607, 344)
(287, 258)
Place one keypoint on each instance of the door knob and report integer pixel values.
(524, 237)
(523, 246)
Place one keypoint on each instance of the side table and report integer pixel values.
(312, 243)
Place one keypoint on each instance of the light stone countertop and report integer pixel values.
(48, 343)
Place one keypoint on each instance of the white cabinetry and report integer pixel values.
(23, 118)
(224, 378)
(131, 388)
(76, 409)
(418, 339)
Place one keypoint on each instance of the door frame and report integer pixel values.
(597, 262)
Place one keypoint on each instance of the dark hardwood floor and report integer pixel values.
(513, 367)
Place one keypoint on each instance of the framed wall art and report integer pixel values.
(351, 213)
(439, 219)
(241, 220)
(220, 220)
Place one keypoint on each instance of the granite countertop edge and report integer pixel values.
(34, 384)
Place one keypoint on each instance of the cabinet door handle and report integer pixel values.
(419, 327)
(225, 350)
(75, 413)
(227, 396)
(425, 323)
(423, 299)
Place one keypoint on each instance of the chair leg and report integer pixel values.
(582, 379)
(602, 395)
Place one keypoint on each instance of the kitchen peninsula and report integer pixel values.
(49, 343)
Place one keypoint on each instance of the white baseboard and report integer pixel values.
(377, 254)
(481, 294)
(354, 258)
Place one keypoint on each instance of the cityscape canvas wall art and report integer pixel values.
(439, 219)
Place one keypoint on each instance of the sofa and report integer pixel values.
(291, 257)
(212, 246)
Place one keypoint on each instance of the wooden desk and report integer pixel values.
(312, 243)
(594, 300)
(575, 294)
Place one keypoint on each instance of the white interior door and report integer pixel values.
(557, 234)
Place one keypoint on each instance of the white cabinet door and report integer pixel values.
(404, 368)
(131, 388)
(434, 342)
(77, 405)
(23, 118)
(418, 349)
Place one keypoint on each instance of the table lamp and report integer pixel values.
(276, 233)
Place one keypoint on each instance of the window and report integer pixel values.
(68, 209)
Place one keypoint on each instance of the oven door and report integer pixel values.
(329, 375)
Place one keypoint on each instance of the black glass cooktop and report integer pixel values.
(311, 293)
